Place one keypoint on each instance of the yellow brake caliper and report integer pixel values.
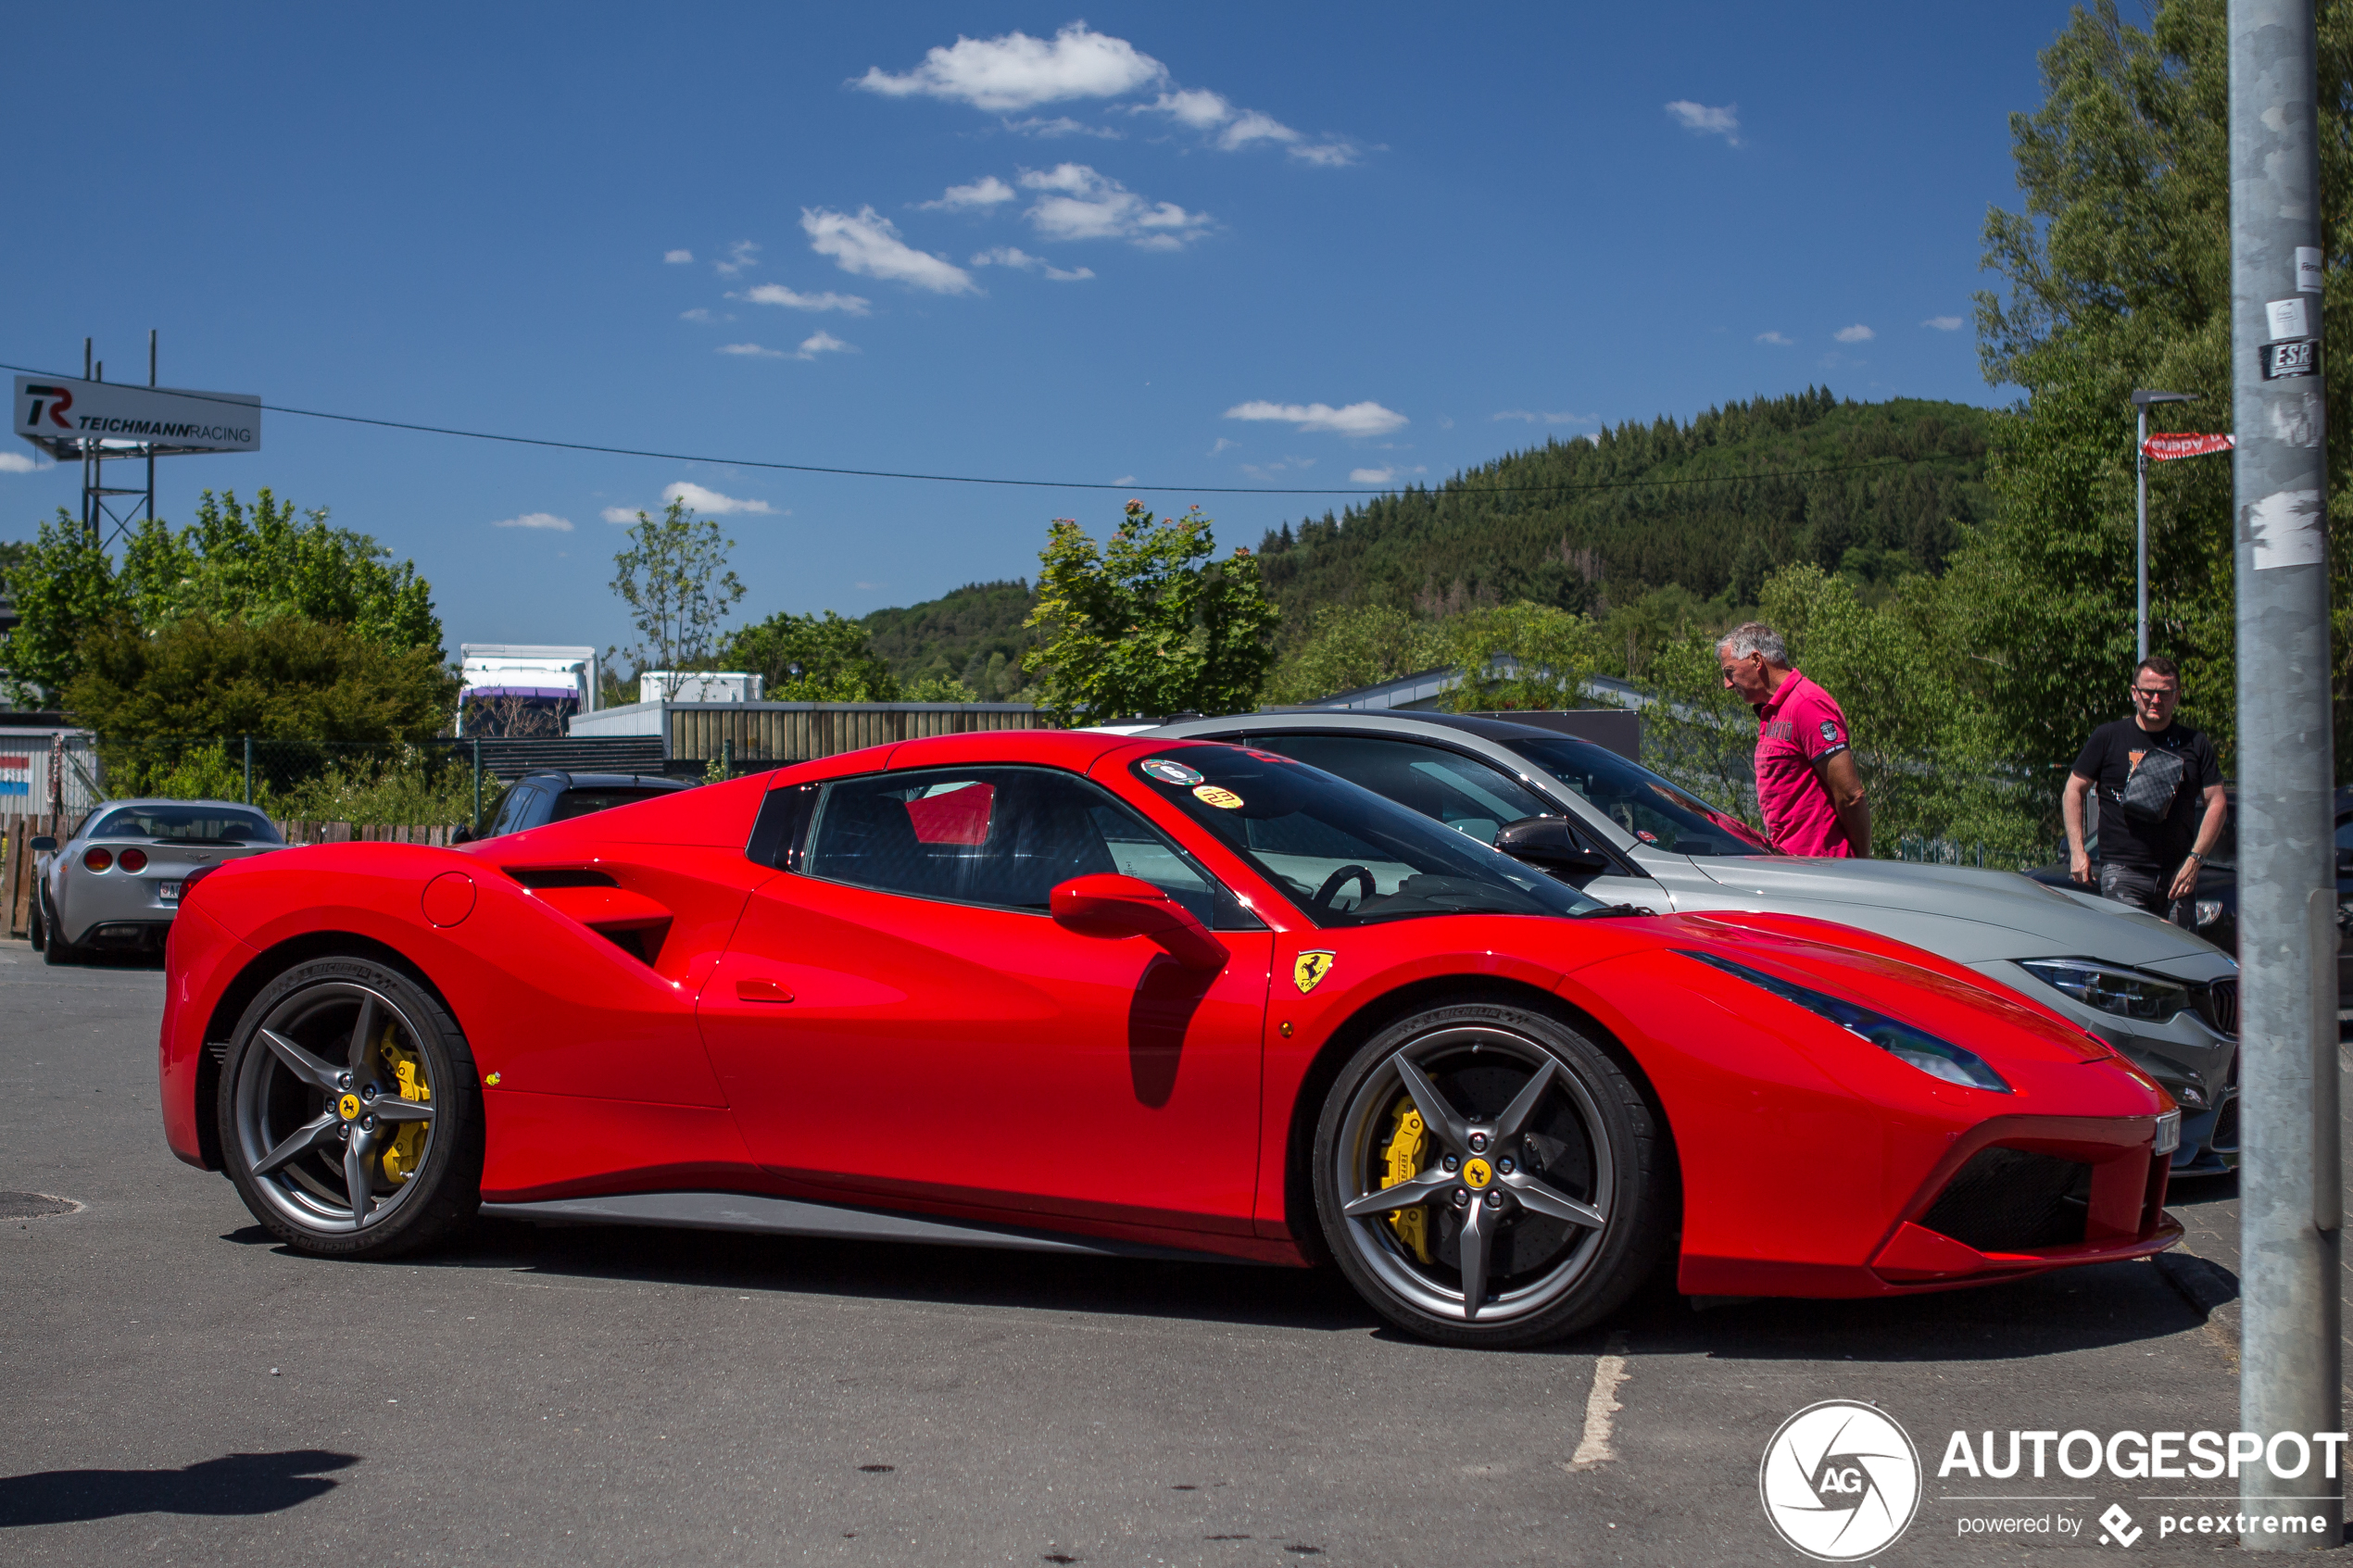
(1404, 1155)
(408, 1144)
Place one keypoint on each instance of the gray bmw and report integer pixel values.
(2164, 998)
(114, 886)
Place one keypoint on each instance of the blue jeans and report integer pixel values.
(2144, 889)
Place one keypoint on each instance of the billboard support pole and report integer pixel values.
(2291, 1191)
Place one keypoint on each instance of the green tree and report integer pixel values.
(674, 578)
(1523, 655)
(812, 658)
(1149, 623)
(288, 678)
(1351, 645)
(232, 563)
(2117, 275)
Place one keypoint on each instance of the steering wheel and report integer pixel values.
(1340, 879)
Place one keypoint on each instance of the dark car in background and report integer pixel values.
(2214, 903)
(551, 795)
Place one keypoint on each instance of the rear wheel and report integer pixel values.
(53, 946)
(350, 1117)
(1486, 1175)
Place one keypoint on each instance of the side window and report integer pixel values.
(1465, 793)
(513, 812)
(1003, 837)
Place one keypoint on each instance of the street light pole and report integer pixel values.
(2291, 1192)
(2141, 401)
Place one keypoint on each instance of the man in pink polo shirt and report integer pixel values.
(1806, 784)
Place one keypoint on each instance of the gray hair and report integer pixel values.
(1755, 636)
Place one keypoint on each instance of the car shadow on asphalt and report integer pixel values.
(2072, 1310)
(233, 1483)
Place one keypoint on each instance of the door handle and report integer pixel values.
(762, 991)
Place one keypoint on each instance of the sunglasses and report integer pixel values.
(2152, 692)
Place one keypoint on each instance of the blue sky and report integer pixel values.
(1159, 246)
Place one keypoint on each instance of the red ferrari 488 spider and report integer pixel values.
(1082, 992)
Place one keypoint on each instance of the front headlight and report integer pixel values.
(2127, 993)
(2208, 911)
(1914, 1048)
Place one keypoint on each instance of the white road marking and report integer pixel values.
(1609, 1371)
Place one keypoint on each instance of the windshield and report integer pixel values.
(1342, 854)
(188, 824)
(1653, 810)
(582, 802)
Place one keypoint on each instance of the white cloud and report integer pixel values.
(1061, 125)
(1855, 333)
(1381, 475)
(697, 314)
(1357, 419)
(985, 192)
(618, 514)
(538, 520)
(1723, 121)
(677, 257)
(1200, 110)
(1777, 340)
(868, 243)
(740, 255)
(1018, 71)
(1534, 416)
(1080, 204)
(16, 462)
(822, 342)
(1944, 323)
(1010, 255)
(1125, 478)
(1223, 442)
(709, 502)
(777, 294)
(751, 351)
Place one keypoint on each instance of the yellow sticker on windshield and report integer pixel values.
(1308, 970)
(1224, 799)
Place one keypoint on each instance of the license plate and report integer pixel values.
(168, 891)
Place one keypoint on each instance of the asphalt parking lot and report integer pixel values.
(180, 1389)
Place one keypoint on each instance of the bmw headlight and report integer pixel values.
(1914, 1048)
(2208, 911)
(2127, 993)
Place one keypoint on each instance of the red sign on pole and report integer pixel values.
(2164, 449)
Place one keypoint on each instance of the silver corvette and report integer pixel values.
(113, 886)
(2164, 998)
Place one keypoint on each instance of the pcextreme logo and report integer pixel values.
(1839, 1481)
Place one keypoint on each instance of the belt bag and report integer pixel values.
(2149, 790)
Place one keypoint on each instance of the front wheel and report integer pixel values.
(1486, 1176)
(349, 1113)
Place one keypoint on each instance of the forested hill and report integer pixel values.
(1747, 496)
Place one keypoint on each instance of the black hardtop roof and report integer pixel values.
(563, 780)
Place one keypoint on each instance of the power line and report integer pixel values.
(1020, 483)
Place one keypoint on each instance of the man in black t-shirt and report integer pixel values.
(2150, 855)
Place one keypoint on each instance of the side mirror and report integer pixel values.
(1548, 844)
(45, 845)
(1107, 904)
(462, 835)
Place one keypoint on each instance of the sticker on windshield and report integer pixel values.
(1170, 773)
(1224, 799)
(1646, 836)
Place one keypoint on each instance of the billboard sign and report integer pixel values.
(64, 417)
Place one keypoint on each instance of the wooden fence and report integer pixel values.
(18, 829)
(795, 732)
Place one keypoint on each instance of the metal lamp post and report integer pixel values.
(2141, 401)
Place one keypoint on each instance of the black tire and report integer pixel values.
(1586, 1146)
(55, 949)
(294, 1088)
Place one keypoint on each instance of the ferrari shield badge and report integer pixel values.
(1170, 773)
(1308, 970)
